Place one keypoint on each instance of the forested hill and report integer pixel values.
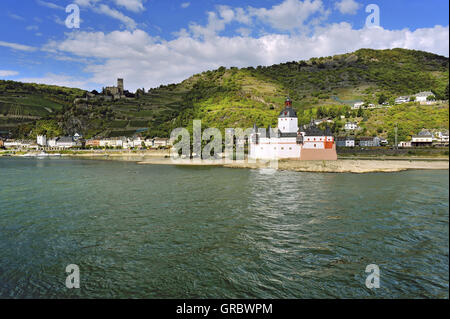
(235, 97)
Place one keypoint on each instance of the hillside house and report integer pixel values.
(357, 105)
(423, 96)
(351, 126)
(402, 99)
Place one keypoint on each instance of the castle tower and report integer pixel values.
(120, 86)
(287, 120)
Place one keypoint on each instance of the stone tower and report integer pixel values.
(120, 85)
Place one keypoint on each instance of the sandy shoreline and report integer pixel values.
(339, 166)
(342, 165)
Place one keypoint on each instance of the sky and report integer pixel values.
(154, 42)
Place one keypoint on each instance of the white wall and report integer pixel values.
(275, 148)
(288, 124)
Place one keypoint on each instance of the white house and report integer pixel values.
(424, 138)
(350, 126)
(345, 141)
(357, 105)
(65, 142)
(441, 138)
(402, 99)
(403, 144)
(41, 140)
(111, 142)
(163, 142)
(77, 137)
(422, 96)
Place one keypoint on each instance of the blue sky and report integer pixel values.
(153, 42)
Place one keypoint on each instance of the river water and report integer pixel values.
(149, 231)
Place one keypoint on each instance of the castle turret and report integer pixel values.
(287, 120)
(120, 86)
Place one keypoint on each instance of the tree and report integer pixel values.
(381, 99)
(360, 112)
(446, 93)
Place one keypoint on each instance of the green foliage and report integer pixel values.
(320, 88)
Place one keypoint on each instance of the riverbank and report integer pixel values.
(339, 166)
(342, 165)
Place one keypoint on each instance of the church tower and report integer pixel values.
(287, 120)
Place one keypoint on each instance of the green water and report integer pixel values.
(145, 231)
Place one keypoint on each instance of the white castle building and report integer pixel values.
(288, 141)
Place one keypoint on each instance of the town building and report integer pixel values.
(441, 138)
(93, 142)
(424, 138)
(41, 140)
(345, 141)
(290, 141)
(111, 142)
(19, 144)
(161, 142)
(366, 141)
(351, 126)
(62, 142)
(404, 144)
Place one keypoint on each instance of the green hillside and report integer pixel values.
(320, 87)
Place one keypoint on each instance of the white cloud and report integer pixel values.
(50, 5)
(113, 13)
(291, 14)
(6, 73)
(145, 61)
(132, 5)
(16, 46)
(347, 6)
(184, 5)
(16, 17)
(32, 27)
(86, 3)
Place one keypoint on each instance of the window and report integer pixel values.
(314, 145)
(290, 148)
(282, 148)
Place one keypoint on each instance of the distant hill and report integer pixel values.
(235, 97)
